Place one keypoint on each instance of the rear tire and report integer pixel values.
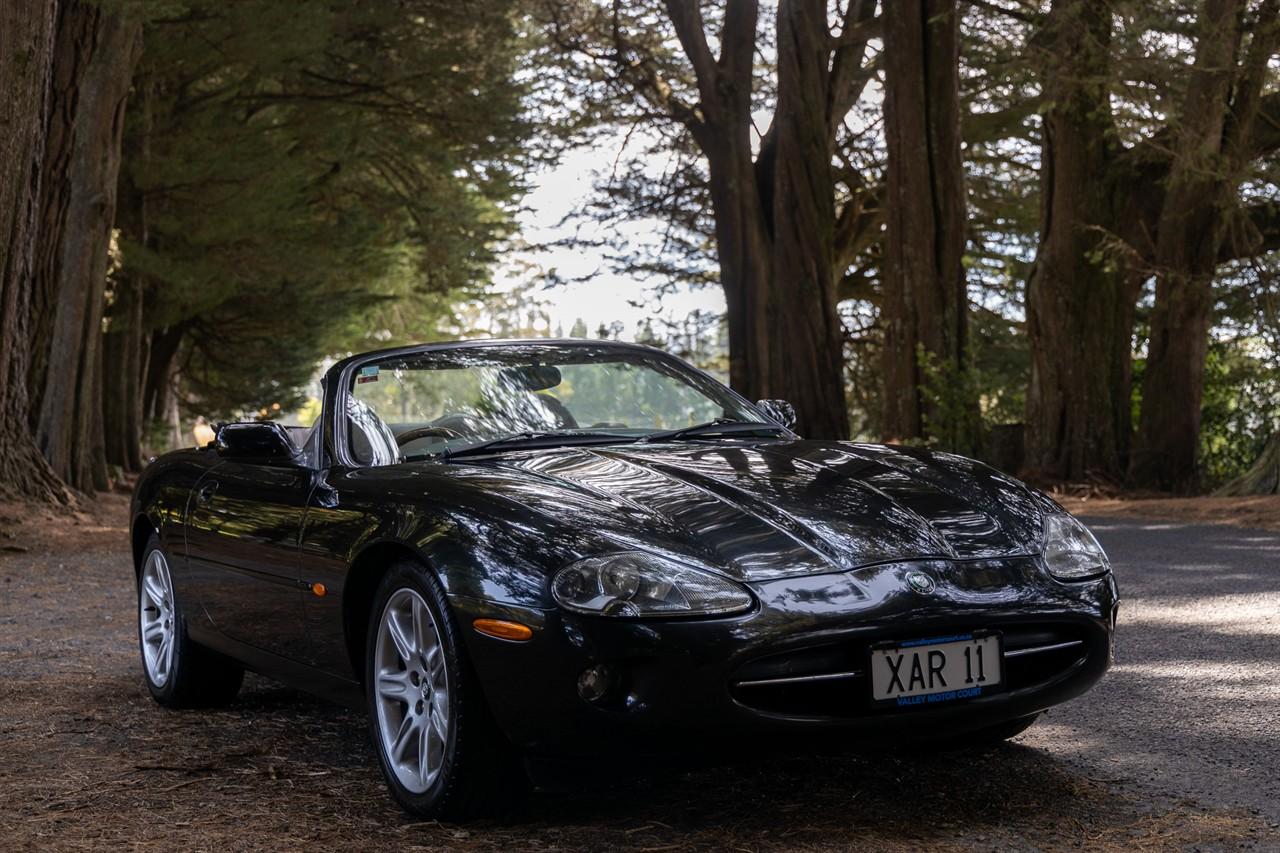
(440, 752)
(179, 673)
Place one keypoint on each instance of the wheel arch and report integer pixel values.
(361, 585)
(140, 533)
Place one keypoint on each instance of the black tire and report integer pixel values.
(482, 774)
(196, 677)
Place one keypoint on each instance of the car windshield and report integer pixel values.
(452, 400)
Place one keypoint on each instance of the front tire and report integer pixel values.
(439, 750)
(179, 673)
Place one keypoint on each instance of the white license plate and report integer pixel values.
(939, 669)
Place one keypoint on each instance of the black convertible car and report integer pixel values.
(511, 549)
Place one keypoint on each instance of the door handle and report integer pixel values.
(205, 493)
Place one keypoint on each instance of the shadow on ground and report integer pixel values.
(87, 760)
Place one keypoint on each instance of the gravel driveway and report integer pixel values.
(1192, 706)
(1175, 750)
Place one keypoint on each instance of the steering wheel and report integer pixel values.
(411, 435)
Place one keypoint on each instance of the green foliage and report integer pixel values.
(1241, 404)
(310, 176)
(951, 419)
(1001, 364)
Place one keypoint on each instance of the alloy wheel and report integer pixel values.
(156, 618)
(412, 691)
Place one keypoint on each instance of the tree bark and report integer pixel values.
(126, 345)
(26, 60)
(775, 214)
(157, 388)
(925, 304)
(94, 55)
(1202, 191)
(806, 361)
(123, 369)
(1080, 294)
(1262, 478)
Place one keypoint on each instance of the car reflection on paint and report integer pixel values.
(546, 549)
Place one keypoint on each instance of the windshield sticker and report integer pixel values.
(368, 374)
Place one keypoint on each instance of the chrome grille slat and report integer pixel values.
(1017, 653)
(800, 679)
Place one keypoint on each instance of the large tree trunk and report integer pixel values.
(743, 248)
(1201, 190)
(806, 363)
(774, 219)
(126, 346)
(26, 55)
(93, 61)
(925, 307)
(1080, 297)
(162, 351)
(123, 348)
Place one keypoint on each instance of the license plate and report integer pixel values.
(938, 669)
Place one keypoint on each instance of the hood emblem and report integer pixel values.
(920, 582)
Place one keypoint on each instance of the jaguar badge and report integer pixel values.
(920, 582)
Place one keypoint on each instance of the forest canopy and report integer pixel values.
(1042, 232)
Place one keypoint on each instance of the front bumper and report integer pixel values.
(794, 668)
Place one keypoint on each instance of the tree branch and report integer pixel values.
(1247, 98)
(849, 71)
(1256, 233)
(1264, 138)
(1027, 17)
(686, 17)
(738, 38)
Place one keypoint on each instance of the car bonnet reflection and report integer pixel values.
(772, 509)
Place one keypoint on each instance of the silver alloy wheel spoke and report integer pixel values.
(424, 756)
(394, 686)
(411, 690)
(403, 642)
(156, 618)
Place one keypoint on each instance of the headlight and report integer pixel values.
(633, 583)
(1070, 551)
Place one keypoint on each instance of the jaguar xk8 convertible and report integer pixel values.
(523, 549)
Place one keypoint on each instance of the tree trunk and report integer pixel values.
(925, 307)
(774, 216)
(123, 351)
(93, 61)
(1262, 478)
(26, 56)
(159, 403)
(126, 346)
(1201, 189)
(806, 363)
(1080, 296)
(744, 254)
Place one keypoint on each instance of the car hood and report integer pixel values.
(760, 511)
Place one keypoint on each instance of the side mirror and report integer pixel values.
(779, 411)
(264, 441)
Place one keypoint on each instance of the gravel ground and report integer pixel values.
(1176, 750)
(1192, 706)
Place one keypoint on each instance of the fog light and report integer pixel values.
(596, 682)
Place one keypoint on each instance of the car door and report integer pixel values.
(243, 526)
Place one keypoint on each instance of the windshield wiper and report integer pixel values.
(720, 426)
(547, 438)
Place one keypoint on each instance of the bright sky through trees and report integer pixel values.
(608, 297)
